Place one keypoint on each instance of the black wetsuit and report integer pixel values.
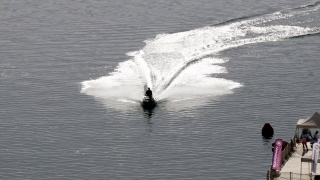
(149, 93)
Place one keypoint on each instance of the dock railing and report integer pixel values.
(286, 153)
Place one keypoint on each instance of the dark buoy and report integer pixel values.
(267, 130)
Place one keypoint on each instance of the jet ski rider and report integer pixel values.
(149, 93)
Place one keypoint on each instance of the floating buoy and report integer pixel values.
(267, 130)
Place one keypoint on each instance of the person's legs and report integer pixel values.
(304, 144)
(312, 142)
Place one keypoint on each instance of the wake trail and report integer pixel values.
(180, 64)
(236, 20)
(258, 18)
(317, 33)
(144, 66)
(308, 6)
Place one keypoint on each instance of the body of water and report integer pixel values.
(73, 74)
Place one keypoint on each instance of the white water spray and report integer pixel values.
(182, 64)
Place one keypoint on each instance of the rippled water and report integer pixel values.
(73, 73)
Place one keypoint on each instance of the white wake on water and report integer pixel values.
(184, 64)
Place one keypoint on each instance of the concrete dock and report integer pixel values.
(293, 168)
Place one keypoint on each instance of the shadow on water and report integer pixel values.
(267, 142)
(148, 113)
(267, 139)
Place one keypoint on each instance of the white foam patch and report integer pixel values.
(116, 85)
(181, 65)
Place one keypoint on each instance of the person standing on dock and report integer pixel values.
(315, 138)
(304, 138)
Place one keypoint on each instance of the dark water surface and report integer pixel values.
(72, 75)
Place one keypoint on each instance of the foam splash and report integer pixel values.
(182, 64)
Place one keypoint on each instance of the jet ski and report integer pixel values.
(148, 102)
